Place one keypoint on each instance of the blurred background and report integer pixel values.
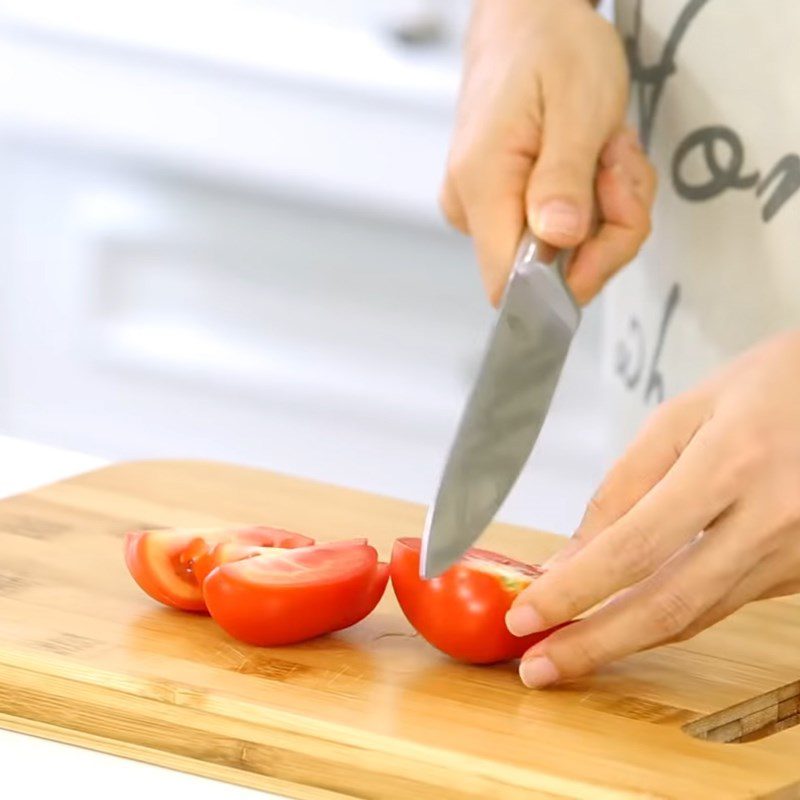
(219, 238)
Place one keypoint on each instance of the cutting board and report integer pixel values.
(373, 712)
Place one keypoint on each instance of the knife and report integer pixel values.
(506, 407)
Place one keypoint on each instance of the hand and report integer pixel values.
(539, 132)
(699, 517)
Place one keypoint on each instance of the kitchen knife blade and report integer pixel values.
(506, 408)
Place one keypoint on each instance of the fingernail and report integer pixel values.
(538, 672)
(558, 218)
(523, 619)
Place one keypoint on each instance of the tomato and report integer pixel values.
(154, 561)
(462, 612)
(203, 556)
(276, 597)
(207, 552)
(162, 561)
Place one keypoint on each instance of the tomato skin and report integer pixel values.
(371, 597)
(462, 612)
(298, 595)
(162, 561)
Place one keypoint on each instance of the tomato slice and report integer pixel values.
(462, 612)
(373, 593)
(154, 560)
(285, 596)
(207, 552)
(163, 562)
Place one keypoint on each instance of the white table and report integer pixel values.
(39, 768)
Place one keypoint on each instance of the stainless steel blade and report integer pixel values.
(506, 407)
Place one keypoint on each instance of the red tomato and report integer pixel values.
(462, 612)
(205, 553)
(203, 556)
(280, 597)
(162, 562)
(154, 560)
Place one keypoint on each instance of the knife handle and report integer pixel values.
(531, 250)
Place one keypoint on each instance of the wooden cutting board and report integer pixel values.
(373, 712)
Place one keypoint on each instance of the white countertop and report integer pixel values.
(41, 768)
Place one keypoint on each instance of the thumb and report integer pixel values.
(560, 194)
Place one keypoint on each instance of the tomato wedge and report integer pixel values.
(276, 597)
(163, 562)
(205, 556)
(462, 612)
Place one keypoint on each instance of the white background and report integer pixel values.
(221, 240)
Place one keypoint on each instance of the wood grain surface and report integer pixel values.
(372, 712)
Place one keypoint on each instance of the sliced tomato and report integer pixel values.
(154, 559)
(462, 612)
(204, 556)
(372, 596)
(277, 597)
(163, 562)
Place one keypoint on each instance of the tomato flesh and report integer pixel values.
(154, 560)
(462, 612)
(288, 596)
(163, 562)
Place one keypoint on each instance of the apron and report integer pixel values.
(716, 98)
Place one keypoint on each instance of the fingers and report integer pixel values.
(751, 552)
(655, 611)
(659, 444)
(667, 518)
(775, 575)
(560, 194)
(452, 207)
(487, 189)
(626, 184)
(625, 150)
(483, 196)
(751, 587)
